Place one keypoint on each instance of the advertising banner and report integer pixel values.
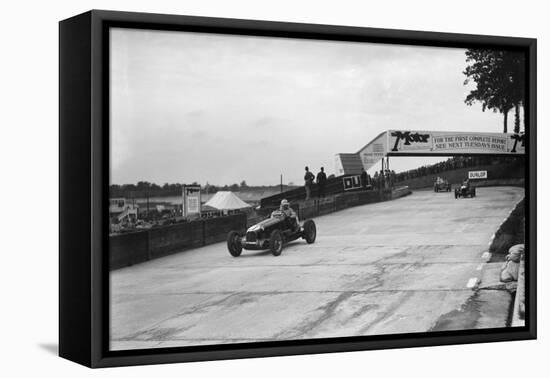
(191, 199)
(373, 152)
(426, 143)
(443, 142)
(475, 175)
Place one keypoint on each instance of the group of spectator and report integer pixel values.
(321, 181)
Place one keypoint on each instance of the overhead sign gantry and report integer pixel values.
(428, 143)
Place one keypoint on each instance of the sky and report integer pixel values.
(195, 107)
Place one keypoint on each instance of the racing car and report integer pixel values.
(465, 191)
(441, 185)
(271, 233)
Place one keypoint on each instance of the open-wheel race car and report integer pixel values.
(271, 233)
(442, 185)
(465, 191)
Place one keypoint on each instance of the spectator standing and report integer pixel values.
(321, 182)
(364, 178)
(308, 181)
(382, 182)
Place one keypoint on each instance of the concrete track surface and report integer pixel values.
(391, 267)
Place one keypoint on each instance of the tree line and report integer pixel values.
(499, 76)
(144, 189)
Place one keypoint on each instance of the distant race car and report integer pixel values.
(271, 233)
(465, 191)
(441, 185)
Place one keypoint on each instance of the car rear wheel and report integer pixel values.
(234, 244)
(310, 231)
(276, 243)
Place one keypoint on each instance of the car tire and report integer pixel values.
(276, 243)
(310, 231)
(234, 244)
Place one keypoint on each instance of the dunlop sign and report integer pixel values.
(474, 175)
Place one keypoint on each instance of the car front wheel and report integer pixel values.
(310, 231)
(276, 243)
(234, 244)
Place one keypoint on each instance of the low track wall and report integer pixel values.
(330, 204)
(314, 208)
(136, 247)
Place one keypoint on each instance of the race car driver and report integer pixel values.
(289, 212)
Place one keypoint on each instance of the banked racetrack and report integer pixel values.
(392, 267)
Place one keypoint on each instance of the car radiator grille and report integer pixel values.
(250, 236)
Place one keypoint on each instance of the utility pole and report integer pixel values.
(281, 182)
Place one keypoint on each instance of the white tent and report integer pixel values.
(226, 201)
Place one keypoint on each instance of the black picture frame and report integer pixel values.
(83, 167)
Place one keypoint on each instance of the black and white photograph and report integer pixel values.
(267, 189)
(274, 189)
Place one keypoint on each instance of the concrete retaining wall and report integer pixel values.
(317, 207)
(400, 192)
(136, 247)
(336, 202)
(165, 240)
(128, 249)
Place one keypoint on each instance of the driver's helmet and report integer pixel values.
(285, 205)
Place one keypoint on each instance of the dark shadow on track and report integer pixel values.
(250, 253)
